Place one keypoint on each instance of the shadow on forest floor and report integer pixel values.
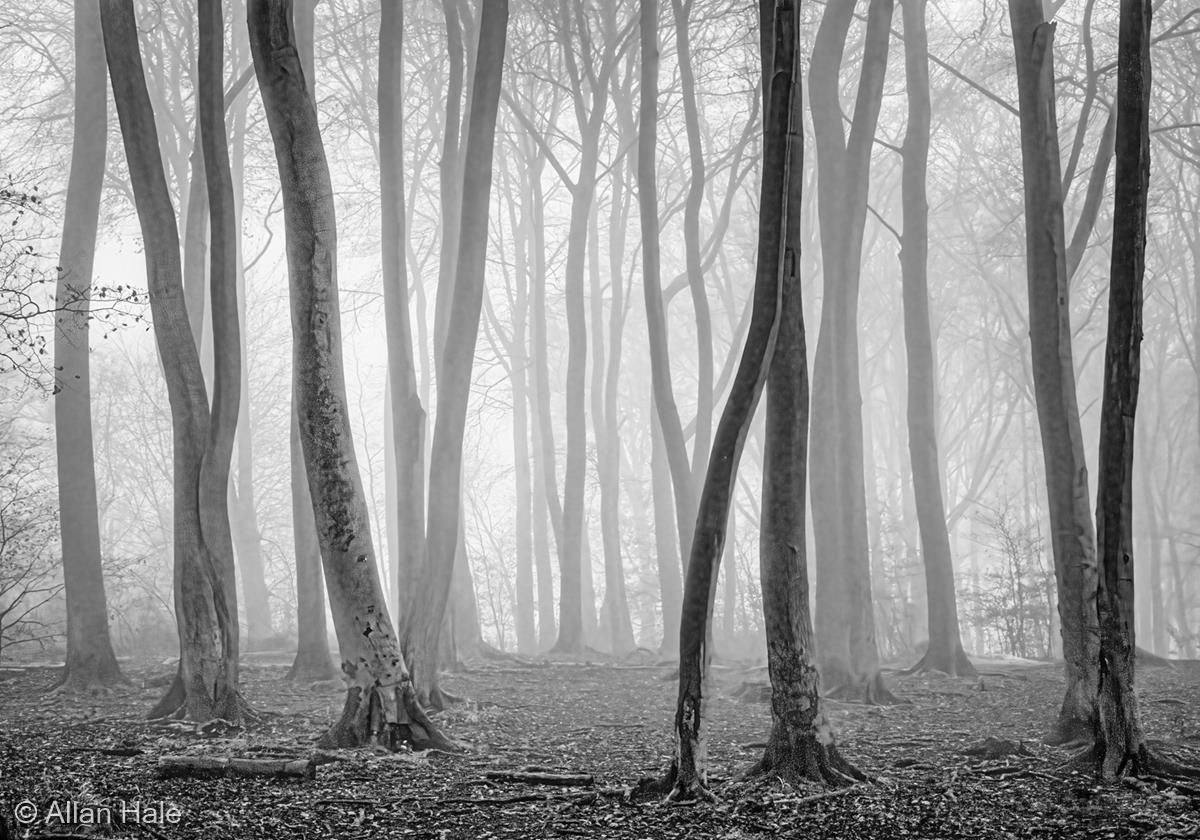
(611, 722)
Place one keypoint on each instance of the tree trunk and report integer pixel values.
(207, 617)
(526, 628)
(670, 579)
(313, 661)
(1120, 746)
(90, 662)
(656, 321)
(945, 652)
(845, 623)
(407, 414)
(381, 705)
(1072, 536)
(454, 382)
(690, 767)
(800, 746)
(450, 183)
(691, 243)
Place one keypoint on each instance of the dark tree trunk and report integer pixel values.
(1072, 536)
(206, 686)
(454, 382)
(690, 767)
(381, 705)
(1120, 745)
(801, 745)
(90, 663)
(945, 652)
(845, 623)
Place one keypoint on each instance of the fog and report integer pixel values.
(541, 287)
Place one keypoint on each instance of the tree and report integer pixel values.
(428, 606)
(845, 620)
(800, 746)
(945, 652)
(1072, 535)
(90, 662)
(381, 705)
(313, 661)
(206, 685)
(689, 773)
(668, 436)
(1120, 745)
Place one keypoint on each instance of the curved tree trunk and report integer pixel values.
(381, 705)
(454, 383)
(945, 652)
(207, 617)
(669, 443)
(690, 767)
(1072, 536)
(90, 660)
(845, 621)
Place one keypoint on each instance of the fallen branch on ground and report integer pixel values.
(208, 767)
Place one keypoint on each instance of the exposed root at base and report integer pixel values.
(364, 723)
(805, 759)
(870, 690)
(175, 705)
(958, 665)
(1070, 732)
(1144, 765)
(669, 786)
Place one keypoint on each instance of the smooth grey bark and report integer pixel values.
(689, 770)
(91, 662)
(427, 610)
(381, 705)
(1072, 536)
(206, 686)
(669, 441)
(845, 623)
(945, 652)
(407, 427)
(691, 241)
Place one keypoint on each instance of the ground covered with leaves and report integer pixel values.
(935, 773)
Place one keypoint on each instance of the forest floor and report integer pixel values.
(612, 721)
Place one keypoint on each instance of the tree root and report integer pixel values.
(175, 705)
(364, 723)
(957, 665)
(805, 758)
(89, 681)
(1144, 764)
(870, 690)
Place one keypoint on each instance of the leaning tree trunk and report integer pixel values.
(845, 622)
(207, 617)
(800, 746)
(1072, 537)
(90, 659)
(945, 652)
(381, 705)
(407, 415)
(669, 438)
(690, 766)
(454, 382)
(1120, 746)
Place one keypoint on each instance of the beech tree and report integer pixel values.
(688, 776)
(91, 662)
(381, 704)
(206, 607)
(1072, 534)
